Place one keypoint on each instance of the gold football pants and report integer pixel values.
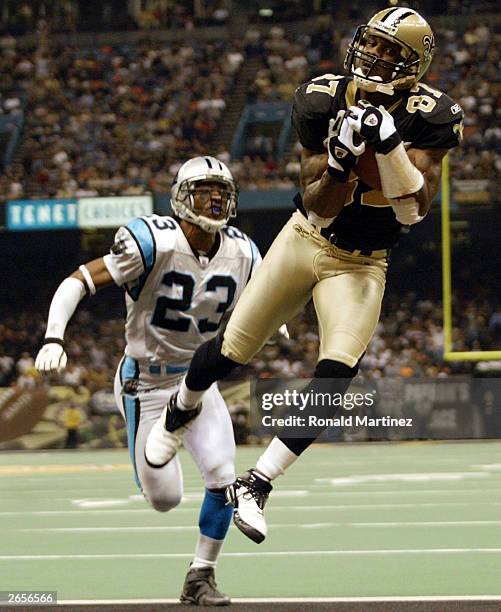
(347, 290)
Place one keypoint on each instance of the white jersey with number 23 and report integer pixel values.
(175, 299)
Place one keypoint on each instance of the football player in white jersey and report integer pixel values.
(181, 276)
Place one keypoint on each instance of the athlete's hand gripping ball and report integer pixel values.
(343, 152)
(375, 125)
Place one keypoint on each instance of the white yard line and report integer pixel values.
(284, 553)
(156, 528)
(273, 508)
(404, 477)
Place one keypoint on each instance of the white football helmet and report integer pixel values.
(188, 181)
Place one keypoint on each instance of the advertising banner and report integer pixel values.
(26, 215)
(113, 211)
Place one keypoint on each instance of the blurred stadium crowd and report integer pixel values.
(119, 119)
(24, 17)
(408, 342)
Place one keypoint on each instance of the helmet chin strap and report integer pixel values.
(208, 225)
(371, 85)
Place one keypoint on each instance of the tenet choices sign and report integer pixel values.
(85, 213)
(26, 215)
(113, 211)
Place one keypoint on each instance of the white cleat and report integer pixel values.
(249, 494)
(166, 435)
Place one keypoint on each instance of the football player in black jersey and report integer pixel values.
(335, 247)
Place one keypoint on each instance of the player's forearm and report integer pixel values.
(406, 185)
(67, 297)
(413, 208)
(326, 197)
(429, 163)
(87, 279)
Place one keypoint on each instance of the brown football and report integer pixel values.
(366, 168)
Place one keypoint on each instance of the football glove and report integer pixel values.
(375, 125)
(343, 152)
(51, 357)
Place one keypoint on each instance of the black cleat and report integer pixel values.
(249, 494)
(200, 589)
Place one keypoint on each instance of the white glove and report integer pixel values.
(407, 211)
(375, 125)
(343, 152)
(51, 358)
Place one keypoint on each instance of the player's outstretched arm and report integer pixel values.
(87, 279)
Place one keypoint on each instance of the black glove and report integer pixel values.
(375, 125)
(343, 152)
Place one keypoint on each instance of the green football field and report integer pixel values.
(347, 521)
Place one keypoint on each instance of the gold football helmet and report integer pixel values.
(407, 29)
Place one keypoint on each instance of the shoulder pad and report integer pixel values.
(241, 241)
(445, 110)
(235, 234)
(161, 222)
(314, 99)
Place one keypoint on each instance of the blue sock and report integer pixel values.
(215, 515)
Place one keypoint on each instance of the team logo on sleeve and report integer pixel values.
(130, 387)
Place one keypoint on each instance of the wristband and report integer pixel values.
(407, 211)
(399, 177)
(88, 279)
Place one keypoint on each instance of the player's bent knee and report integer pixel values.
(240, 346)
(219, 475)
(328, 368)
(164, 503)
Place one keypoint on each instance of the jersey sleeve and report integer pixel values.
(441, 127)
(132, 255)
(311, 112)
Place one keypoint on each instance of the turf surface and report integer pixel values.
(357, 521)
